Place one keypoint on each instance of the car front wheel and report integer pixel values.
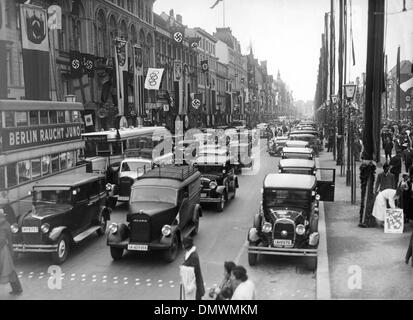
(252, 257)
(116, 253)
(103, 222)
(172, 252)
(62, 249)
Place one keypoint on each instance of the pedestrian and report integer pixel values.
(396, 168)
(357, 148)
(244, 289)
(192, 283)
(7, 271)
(380, 204)
(385, 180)
(407, 196)
(388, 147)
(224, 291)
(408, 159)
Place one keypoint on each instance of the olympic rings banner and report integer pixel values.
(153, 78)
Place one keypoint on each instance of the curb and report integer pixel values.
(323, 291)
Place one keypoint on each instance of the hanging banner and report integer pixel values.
(177, 70)
(35, 45)
(121, 65)
(55, 17)
(194, 42)
(204, 66)
(178, 34)
(153, 78)
(137, 79)
(88, 62)
(137, 58)
(76, 68)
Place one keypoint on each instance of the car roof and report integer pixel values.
(211, 159)
(69, 180)
(297, 150)
(304, 132)
(168, 176)
(289, 181)
(137, 160)
(297, 142)
(302, 163)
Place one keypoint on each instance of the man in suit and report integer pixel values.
(192, 260)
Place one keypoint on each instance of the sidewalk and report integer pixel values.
(379, 256)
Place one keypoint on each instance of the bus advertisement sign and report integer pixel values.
(20, 138)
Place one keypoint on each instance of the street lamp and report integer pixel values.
(350, 92)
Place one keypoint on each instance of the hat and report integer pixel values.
(187, 242)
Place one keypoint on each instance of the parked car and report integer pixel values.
(276, 145)
(297, 153)
(163, 209)
(287, 221)
(219, 182)
(312, 140)
(66, 209)
(297, 144)
(297, 166)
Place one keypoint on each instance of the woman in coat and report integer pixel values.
(7, 272)
(225, 290)
(192, 260)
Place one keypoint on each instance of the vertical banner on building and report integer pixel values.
(178, 78)
(55, 17)
(3, 52)
(137, 78)
(35, 45)
(121, 66)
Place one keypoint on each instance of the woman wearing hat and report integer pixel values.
(7, 272)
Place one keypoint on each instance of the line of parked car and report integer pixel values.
(287, 221)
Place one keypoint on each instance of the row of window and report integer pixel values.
(11, 119)
(208, 46)
(17, 173)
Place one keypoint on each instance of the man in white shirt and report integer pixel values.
(244, 289)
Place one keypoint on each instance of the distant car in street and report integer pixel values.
(219, 182)
(297, 166)
(163, 209)
(276, 145)
(297, 153)
(66, 209)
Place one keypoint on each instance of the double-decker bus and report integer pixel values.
(38, 139)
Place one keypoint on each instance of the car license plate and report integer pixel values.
(120, 198)
(203, 195)
(138, 247)
(30, 229)
(282, 242)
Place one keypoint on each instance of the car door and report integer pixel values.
(94, 203)
(184, 207)
(230, 172)
(326, 184)
(80, 209)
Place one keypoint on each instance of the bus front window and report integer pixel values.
(90, 149)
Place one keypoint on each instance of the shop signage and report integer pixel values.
(393, 221)
(19, 138)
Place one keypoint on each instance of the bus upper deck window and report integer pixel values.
(76, 116)
(34, 118)
(21, 118)
(53, 116)
(116, 148)
(44, 117)
(60, 116)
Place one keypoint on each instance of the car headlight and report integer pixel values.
(267, 227)
(14, 228)
(317, 197)
(108, 187)
(45, 227)
(113, 228)
(300, 229)
(166, 230)
(213, 185)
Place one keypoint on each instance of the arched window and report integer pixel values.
(102, 48)
(113, 33)
(123, 30)
(133, 35)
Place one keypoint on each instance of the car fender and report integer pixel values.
(197, 210)
(56, 232)
(257, 221)
(220, 189)
(119, 236)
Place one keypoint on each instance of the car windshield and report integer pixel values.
(210, 169)
(294, 155)
(274, 198)
(52, 197)
(153, 194)
(134, 166)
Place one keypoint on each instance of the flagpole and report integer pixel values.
(223, 12)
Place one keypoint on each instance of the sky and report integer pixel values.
(287, 33)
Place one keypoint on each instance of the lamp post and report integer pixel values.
(334, 100)
(350, 91)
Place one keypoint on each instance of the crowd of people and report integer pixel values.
(235, 284)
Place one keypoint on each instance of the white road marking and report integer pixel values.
(171, 281)
(137, 283)
(159, 280)
(73, 274)
(137, 279)
(172, 286)
(148, 284)
(30, 277)
(148, 280)
(41, 273)
(94, 276)
(125, 278)
(72, 279)
(104, 277)
(115, 281)
(104, 281)
(93, 280)
(126, 282)
(31, 272)
(160, 285)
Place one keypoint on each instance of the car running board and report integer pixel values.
(85, 234)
